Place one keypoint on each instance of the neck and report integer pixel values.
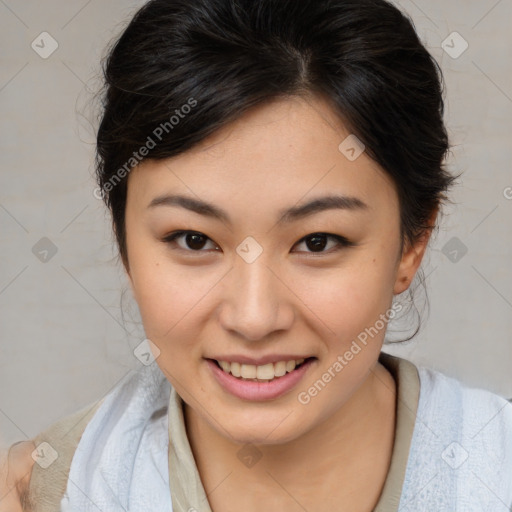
(357, 440)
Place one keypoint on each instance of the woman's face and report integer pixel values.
(257, 285)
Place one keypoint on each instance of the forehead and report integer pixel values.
(276, 153)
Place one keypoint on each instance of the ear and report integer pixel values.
(130, 281)
(127, 273)
(412, 257)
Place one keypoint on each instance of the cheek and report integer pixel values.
(169, 303)
(349, 299)
(171, 299)
(350, 303)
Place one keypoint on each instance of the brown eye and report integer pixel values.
(317, 242)
(195, 241)
(192, 241)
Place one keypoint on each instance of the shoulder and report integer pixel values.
(39, 467)
(479, 415)
(461, 446)
(15, 472)
(440, 391)
(473, 425)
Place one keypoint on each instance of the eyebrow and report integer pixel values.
(295, 213)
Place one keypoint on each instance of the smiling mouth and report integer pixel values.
(263, 373)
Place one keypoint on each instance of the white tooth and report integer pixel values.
(265, 371)
(248, 371)
(280, 368)
(235, 369)
(262, 373)
(225, 366)
(290, 366)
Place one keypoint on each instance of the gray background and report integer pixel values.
(66, 337)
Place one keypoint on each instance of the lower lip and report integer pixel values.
(249, 390)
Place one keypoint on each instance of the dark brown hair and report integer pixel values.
(183, 69)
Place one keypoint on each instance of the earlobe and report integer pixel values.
(409, 264)
(401, 284)
(411, 260)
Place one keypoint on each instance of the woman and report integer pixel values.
(274, 171)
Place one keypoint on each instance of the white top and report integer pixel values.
(460, 457)
(461, 450)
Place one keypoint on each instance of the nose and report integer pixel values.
(256, 302)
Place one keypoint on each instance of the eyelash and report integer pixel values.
(342, 241)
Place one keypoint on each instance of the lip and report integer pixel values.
(258, 391)
(258, 361)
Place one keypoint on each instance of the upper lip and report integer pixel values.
(259, 361)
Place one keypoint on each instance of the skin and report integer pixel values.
(15, 470)
(205, 300)
(291, 299)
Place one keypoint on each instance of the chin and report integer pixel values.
(263, 429)
(261, 438)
